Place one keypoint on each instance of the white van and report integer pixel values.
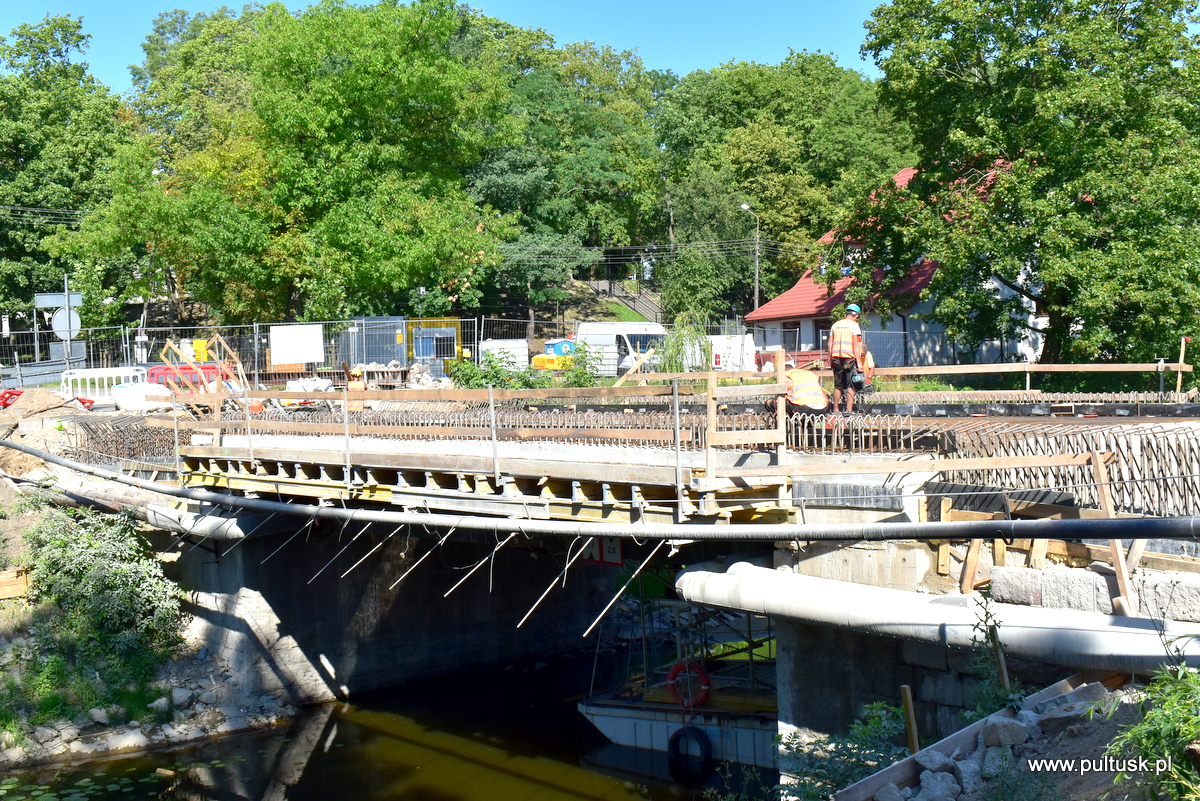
(618, 345)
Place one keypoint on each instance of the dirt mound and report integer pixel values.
(32, 403)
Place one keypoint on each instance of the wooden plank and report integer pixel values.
(910, 719)
(753, 390)
(1134, 558)
(1104, 490)
(1037, 554)
(1099, 553)
(943, 558)
(764, 436)
(1017, 367)
(967, 585)
(637, 366)
(1060, 512)
(999, 553)
(13, 584)
(967, 514)
(910, 466)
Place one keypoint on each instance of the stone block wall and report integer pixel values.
(1161, 594)
(827, 675)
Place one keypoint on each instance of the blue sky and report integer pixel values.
(668, 34)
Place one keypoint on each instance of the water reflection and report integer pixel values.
(488, 737)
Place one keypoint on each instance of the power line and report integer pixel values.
(28, 215)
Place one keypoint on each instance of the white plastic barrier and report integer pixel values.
(97, 382)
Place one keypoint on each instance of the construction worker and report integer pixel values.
(845, 345)
(861, 380)
(804, 393)
(355, 382)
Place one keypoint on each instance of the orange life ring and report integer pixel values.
(695, 676)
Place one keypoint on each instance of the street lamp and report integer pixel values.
(746, 207)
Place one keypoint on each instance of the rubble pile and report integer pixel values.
(1071, 727)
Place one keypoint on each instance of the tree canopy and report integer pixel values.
(1058, 174)
(57, 127)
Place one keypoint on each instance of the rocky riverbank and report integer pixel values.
(199, 699)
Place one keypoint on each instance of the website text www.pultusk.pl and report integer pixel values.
(1102, 764)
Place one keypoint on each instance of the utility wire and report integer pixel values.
(28, 215)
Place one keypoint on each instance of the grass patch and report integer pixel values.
(622, 313)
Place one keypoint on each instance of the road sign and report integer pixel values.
(54, 300)
(65, 323)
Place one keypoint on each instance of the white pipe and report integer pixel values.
(1056, 636)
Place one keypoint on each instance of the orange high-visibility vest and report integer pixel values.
(842, 339)
(805, 390)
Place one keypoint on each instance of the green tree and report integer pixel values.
(1057, 145)
(789, 140)
(58, 126)
(311, 166)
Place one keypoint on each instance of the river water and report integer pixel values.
(500, 735)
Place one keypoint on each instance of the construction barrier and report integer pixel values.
(96, 383)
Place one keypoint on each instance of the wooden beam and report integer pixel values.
(1060, 512)
(967, 585)
(753, 390)
(1037, 554)
(1018, 367)
(999, 553)
(1126, 594)
(637, 366)
(912, 466)
(764, 436)
(1134, 557)
(1100, 553)
(910, 719)
(968, 514)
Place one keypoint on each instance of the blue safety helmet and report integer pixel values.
(853, 307)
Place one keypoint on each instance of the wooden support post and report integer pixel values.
(967, 585)
(999, 553)
(780, 359)
(1134, 557)
(1179, 365)
(910, 719)
(1128, 600)
(947, 505)
(943, 558)
(1037, 554)
(1001, 664)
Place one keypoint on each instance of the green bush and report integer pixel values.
(111, 617)
(1170, 722)
(584, 369)
(497, 370)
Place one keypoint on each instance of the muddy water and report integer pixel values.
(486, 736)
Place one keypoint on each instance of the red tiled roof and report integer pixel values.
(810, 297)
